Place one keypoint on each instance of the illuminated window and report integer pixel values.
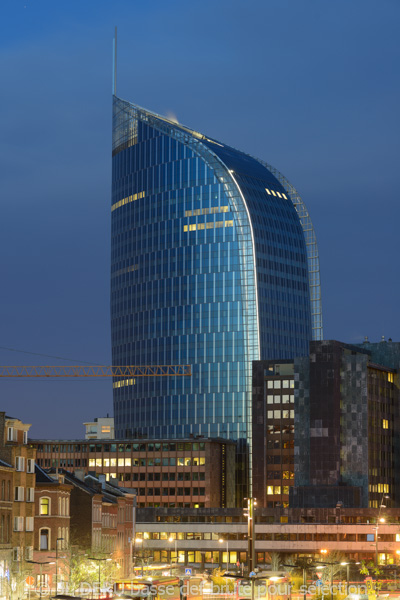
(92, 462)
(279, 194)
(99, 462)
(105, 429)
(284, 195)
(270, 490)
(385, 424)
(268, 192)
(208, 225)
(206, 211)
(121, 462)
(127, 200)
(127, 462)
(44, 506)
(273, 193)
(124, 383)
(390, 377)
(277, 489)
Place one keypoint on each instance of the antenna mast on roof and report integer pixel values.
(115, 63)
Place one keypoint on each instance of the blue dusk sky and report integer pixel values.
(310, 86)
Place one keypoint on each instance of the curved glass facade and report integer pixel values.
(209, 268)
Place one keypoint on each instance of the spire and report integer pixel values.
(114, 89)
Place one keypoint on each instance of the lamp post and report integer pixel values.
(140, 542)
(378, 521)
(99, 560)
(249, 513)
(57, 540)
(347, 565)
(34, 562)
(221, 541)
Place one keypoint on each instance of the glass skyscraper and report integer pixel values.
(214, 264)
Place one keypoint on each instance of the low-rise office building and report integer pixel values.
(183, 473)
(207, 537)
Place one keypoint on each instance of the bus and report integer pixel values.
(159, 588)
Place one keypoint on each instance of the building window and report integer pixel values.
(20, 463)
(30, 494)
(44, 536)
(44, 506)
(30, 465)
(18, 523)
(29, 553)
(17, 553)
(25, 437)
(29, 524)
(19, 494)
(10, 434)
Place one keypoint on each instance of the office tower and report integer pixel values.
(214, 264)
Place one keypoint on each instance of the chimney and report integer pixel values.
(80, 474)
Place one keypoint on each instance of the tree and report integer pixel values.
(221, 583)
(14, 584)
(276, 561)
(333, 566)
(83, 569)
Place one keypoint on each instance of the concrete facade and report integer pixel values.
(192, 472)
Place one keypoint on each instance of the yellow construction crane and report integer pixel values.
(97, 371)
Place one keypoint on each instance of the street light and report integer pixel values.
(348, 565)
(221, 541)
(171, 539)
(379, 520)
(99, 560)
(57, 540)
(35, 562)
(304, 564)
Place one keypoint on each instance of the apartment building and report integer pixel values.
(15, 451)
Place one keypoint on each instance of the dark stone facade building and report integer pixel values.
(339, 440)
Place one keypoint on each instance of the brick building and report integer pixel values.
(52, 525)
(101, 517)
(15, 451)
(6, 508)
(184, 473)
